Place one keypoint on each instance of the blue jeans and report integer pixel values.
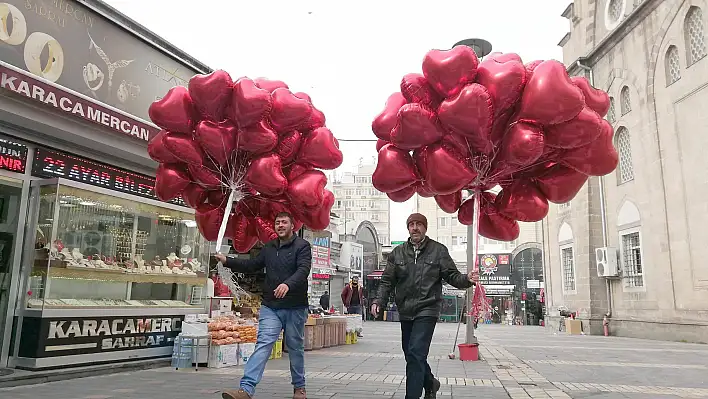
(416, 336)
(270, 323)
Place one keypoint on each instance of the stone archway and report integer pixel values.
(368, 237)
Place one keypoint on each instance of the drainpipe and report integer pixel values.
(603, 213)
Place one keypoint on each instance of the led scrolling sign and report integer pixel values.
(52, 164)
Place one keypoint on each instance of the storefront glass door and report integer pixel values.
(10, 204)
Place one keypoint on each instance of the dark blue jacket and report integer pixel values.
(288, 264)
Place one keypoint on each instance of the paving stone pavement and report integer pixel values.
(520, 362)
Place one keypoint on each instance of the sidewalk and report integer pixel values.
(521, 362)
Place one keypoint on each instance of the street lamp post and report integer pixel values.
(482, 48)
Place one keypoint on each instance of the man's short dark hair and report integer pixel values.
(285, 215)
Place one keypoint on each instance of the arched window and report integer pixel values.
(626, 103)
(693, 34)
(628, 226)
(611, 117)
(567, 257)
(625, 170)
(672, 65)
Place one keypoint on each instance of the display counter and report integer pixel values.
(108, 276)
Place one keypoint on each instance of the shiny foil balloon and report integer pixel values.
(464, 125)
(254, 141)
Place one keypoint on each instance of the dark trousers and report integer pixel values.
(416, 336)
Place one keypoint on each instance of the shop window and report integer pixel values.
(626, 103)
(625, 170)
(672, 65)
(568, 264)
(694, 37)
(631, 250)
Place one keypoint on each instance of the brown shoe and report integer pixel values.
(240, 394)
(299, 393)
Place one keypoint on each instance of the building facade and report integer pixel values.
(358, 201)
(650, 57)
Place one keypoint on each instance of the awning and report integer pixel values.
(375, 275)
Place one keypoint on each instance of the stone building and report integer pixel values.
(650, 56)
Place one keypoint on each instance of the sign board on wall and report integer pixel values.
(319, 241)
(13, 156)
(493, 271)
(352, 255)
(66, 43)
(50, 337)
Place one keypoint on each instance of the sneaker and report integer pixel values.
(432, 394)
(240, 394)
(299, 393)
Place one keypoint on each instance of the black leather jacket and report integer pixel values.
(416, 277)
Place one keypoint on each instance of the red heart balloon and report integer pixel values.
(158, 152)
(596, 100)
(449, 203)
(270, 85)
(249, 206)
(194, 195)
(503, 57)
(218, 140)
(318, 218)
(415, 89)
(170, 181)
(417, 127)
(289, 111)
(388, 118)
(403, 194)
(218, 197)
(265, 229)
(296, 170)
(175, 111)
(522, 201)
(183, 147)
(307, 190)
(447, 172)
(289, 146)
(550, 97)
(258, 138)
(243, 235)
(320, 150)
(249, 103)
(597, 158)
(379, 144)
(265, 174)
(395, 170)
(560, 184)
(522, 145)
(465, 213)
(469, 114)
(211, 94)
(577, 132)
(496, 226)
(447, 71)
(531, 66)
(459, 143)
(204, 176)
(304, 96)
(424, 190)
(208, 218)
(317, 119)
(504, 81)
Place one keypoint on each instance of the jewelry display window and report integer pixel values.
(95, 248)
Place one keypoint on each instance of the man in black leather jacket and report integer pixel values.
(415, 271)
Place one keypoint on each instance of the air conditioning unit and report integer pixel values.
(606, 259)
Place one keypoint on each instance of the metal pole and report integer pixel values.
(472, 250)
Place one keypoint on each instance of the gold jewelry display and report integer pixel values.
(33, 49)
(19, 25)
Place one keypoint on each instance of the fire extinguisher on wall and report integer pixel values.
(606, 326)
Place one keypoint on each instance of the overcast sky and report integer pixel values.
(348, 56)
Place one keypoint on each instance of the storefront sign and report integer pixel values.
(13, 156)
(64, 42)
(63, 101)
(319, 241)
(76, 336)
(352, 255)
(53, 164)
(491, 271)
(320, 276)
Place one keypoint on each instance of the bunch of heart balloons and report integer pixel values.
(470, 125)
(252, 141)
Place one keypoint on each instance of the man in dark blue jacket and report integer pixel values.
(287, 261)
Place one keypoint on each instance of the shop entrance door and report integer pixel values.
(10, 204)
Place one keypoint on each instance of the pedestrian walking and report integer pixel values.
(415, 271)
(287, 261)
(353, 298)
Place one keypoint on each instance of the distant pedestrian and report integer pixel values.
(415, 272)
(324, 300)
(353, 298)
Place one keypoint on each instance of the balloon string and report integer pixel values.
(225, 220)
(475, 228)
